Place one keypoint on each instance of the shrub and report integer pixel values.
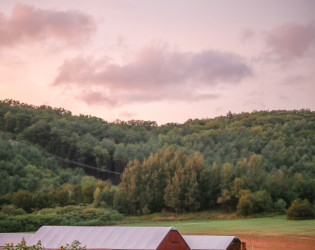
(300, 210)
(69, 215)
(262, 202)
(12, 210)
(23, 199)
(280, 205)
(246, 203)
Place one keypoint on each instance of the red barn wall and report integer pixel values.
(173, 241)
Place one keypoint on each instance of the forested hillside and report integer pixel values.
(249, 162)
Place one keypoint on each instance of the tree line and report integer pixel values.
(248, 162)
(174, 181)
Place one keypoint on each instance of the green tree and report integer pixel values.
(102, 157)
(172, 194)
(32, 184)
(38, 133)
(76, 195)
(246, 203)
(225, 200)
(60, 197)
(280, 205)
(120, 202)
(263, 201)
(23, 199)
(87, 193)
(167, 179)
(103, 195)
(42, 200)
(256, 174)
(300, 210)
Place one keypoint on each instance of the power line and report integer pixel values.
(69, 161)
(85, 165)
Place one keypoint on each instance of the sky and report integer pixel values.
(164, 61)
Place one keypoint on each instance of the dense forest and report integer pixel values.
(248, 162)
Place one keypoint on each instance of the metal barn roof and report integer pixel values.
(101, 237)
(205, 242)
(15, 238)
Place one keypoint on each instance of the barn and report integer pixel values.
(207, 242)
(133, 238)
(123, 238)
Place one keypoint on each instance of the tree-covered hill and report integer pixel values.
(283, 138)
(260, 160)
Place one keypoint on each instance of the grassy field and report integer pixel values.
(272, 233)
(262, 226)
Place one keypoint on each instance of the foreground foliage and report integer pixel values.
(22, 246)
(76, 245)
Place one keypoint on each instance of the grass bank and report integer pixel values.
(259, 226)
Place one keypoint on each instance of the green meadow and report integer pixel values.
(261, 226)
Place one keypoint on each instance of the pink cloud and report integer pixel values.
(27, 23)
(292, 39)
(156, 73)
(114, 99)
(247, 34)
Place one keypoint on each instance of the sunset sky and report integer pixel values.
(165, 61)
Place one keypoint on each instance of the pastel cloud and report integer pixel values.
(247, 34)
(157, 73)
(28, 23)
(292, 39)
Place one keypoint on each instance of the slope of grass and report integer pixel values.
(261, 226)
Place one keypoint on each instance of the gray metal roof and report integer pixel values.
(15, 238)
(101, 237)
(205, 242)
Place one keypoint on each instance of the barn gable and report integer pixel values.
(174, 241)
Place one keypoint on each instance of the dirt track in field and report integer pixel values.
(276, 242)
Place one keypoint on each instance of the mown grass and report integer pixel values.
(262, 226)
